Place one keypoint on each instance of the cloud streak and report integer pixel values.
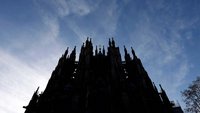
(159, 42)
(158, 30)
(17, 80)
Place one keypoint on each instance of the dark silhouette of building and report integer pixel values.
(100, 82)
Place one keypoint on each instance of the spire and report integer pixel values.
(37, 90)
(33, 101)
(164, 97)
(73, 54)
(125, 50)
(66, 52)
(90, 44)
(161, 88)
(87, 42)
(103, 50)
(113, 42)
(82, 48)
(133, 52)
(91, 40)
(35, 96)
(127, 56)
(100, 50)
(109, 43)
(83, 45)
(96, 51)
(155, 88)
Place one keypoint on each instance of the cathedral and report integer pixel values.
(100, 82)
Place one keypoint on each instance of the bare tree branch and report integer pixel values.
(191, 96)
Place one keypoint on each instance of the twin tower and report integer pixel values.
(99, 82)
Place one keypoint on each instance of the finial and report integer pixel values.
(161, 87)
(90, 42)
(73, 54)
(133, 52)
(103, 51)
(73, 51)
(155, 86)
(82, 47)
(37, 89)
(99, 49)
(125, 51)
(66, 52)
(113, 42)
(109, 43)
(126, 56)
(96, 50)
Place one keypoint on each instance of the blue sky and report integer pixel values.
(35, 33)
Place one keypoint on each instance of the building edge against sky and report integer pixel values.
(101, 82)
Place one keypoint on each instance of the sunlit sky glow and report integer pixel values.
(35, 33)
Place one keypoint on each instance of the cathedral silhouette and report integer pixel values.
(100, 82)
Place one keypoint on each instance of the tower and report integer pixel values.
(99, 82)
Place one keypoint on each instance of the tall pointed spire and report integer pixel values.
(83, 45)
(96, 50)
(133, 52)
(165, 99)
(73, 54)
(109, 43)
(33, 101)
(113, 42)
(66, 52)
(103, 50)
(161, 88)
(82, 48)
(91, 40)
(125, 50)
(87, 42)
(155, 88)
(100, 50)
(37, 90)
(127, 56)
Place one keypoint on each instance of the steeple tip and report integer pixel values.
(66, 52)
(109, 43)
(133, 52)
(103, 50)
(125, 50)
(113, 42)
(96, 50)
(37, 89)
(161, 87)
(74, 50)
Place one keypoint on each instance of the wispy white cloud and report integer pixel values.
(159, 43)
(62, 8)
(102, 25)
(18, 81)
(66, 7)
(28, 61)
(52, 29)
(22, 72)
(30, 58)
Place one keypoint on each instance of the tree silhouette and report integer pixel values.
(191, 97)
